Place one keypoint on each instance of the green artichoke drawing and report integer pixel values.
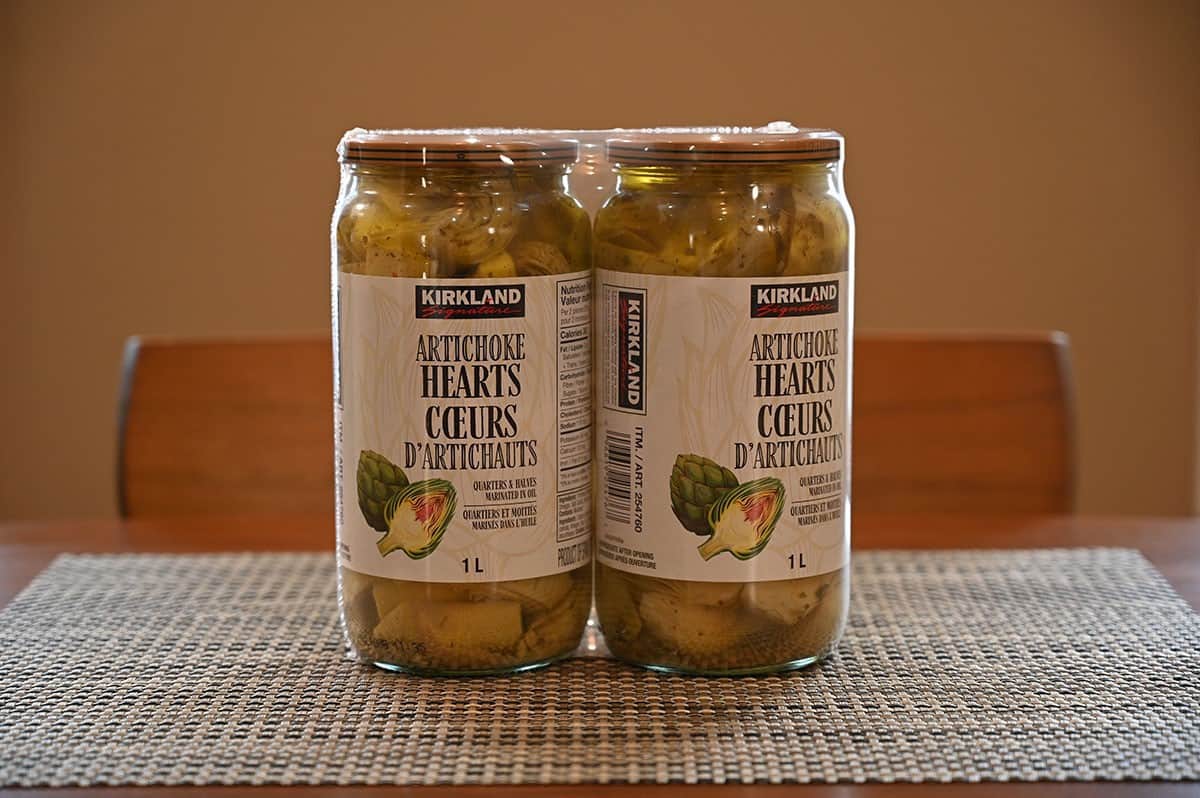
(696, 483)
(378, 480)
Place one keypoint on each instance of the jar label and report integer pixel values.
(463, 424)
(723, 426)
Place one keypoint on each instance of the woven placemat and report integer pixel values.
(229, 669)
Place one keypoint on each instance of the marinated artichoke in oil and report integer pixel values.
(447, 628)
(538, 257)
(492, 228)
(454, 629)
(720, 627)
(820, 237)
(787, 601)
(501, 265)
(771, 224)
(474, 228)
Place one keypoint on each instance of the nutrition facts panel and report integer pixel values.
(574, 407)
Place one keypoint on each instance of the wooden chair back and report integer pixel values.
(963, 422)
(942, 422)
(210, 427)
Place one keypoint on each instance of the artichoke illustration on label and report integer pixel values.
(412, 516)
(417, 518)
(378, 480)
(708, 500)
(743, 519)
(696, 483)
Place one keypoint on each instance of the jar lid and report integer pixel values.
(778, 143)
(450, 148)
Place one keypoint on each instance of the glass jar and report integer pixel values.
(461, 284)
(724, 315)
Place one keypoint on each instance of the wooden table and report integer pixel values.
(1173, 545)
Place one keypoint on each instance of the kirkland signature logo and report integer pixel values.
(471, 302)
(631, 350)
(781, 300)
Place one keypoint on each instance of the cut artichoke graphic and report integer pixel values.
(417, 518)
(743, 519)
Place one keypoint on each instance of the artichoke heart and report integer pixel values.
(710, 594)
(555, 632)
(474, 229)
(358, 602)
(618, 258)
(417, 518)
(634, 222)
(693, 628)
(713, 594)
(820, 237)
(537, 257)
(453, 625)
(743, 519)
(578, 246)
(353, 584)
(787, 601)
(696, 483)
(378, 480)
(538, 594)
(744, 253)
(501, 265)
(389, 593)
(616, 604)
(387, 243)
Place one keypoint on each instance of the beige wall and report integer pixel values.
(169, 168)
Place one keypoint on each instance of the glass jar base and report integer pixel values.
(392, 667)
(758, 670)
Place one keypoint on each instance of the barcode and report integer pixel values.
(618, 476)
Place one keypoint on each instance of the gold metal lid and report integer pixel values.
(773, 144)
(461, 148)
